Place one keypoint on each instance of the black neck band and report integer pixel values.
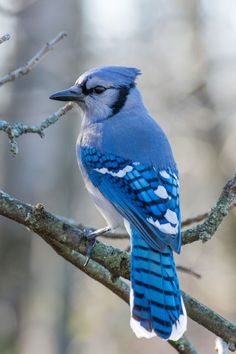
(122, 97)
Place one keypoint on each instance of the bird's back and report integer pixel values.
(133, 135)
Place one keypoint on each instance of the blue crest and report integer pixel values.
(120, 75)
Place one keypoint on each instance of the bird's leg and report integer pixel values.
(91, 238)
(98, 232)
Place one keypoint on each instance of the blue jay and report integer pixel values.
(129, 170)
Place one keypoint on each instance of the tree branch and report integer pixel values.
(183, 345)
(207, 229)
(68, 241)
(17, 129)
(5, 38)
(36, 59)
(211, 320)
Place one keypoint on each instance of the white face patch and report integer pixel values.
(171, 217)
(97, 81)
(99, 107)
(161, 192)
(165, 228)
(164, 174)
(119, 174)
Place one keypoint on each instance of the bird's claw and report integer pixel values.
(90, 245)
(91, 239)
(98, 232)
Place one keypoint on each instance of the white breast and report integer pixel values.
(113, 218)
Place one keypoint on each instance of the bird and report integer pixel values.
(129, 170)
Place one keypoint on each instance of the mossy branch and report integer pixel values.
(108, 264)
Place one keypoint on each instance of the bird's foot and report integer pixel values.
(91, 239)
(98, 232)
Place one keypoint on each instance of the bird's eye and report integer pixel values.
(99, 89)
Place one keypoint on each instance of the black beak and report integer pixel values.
(73, 93)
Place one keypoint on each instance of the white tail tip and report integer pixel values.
(178, 328)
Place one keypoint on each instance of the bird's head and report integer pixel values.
(101, 92)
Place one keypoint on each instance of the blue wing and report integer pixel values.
(147, 198)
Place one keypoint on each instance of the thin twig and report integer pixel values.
(5, 38)
(200, 217)
(188, 271)
(17, 129)
(194, 219)
(28, 67)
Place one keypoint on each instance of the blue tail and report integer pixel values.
(156, 303)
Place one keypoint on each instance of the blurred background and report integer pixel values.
(186, 50)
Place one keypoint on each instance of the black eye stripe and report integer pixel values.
(99, 89)
(123, 93)
(88, 91)
(96, 89)
(85, 90)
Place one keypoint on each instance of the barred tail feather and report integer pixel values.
(156, 304)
